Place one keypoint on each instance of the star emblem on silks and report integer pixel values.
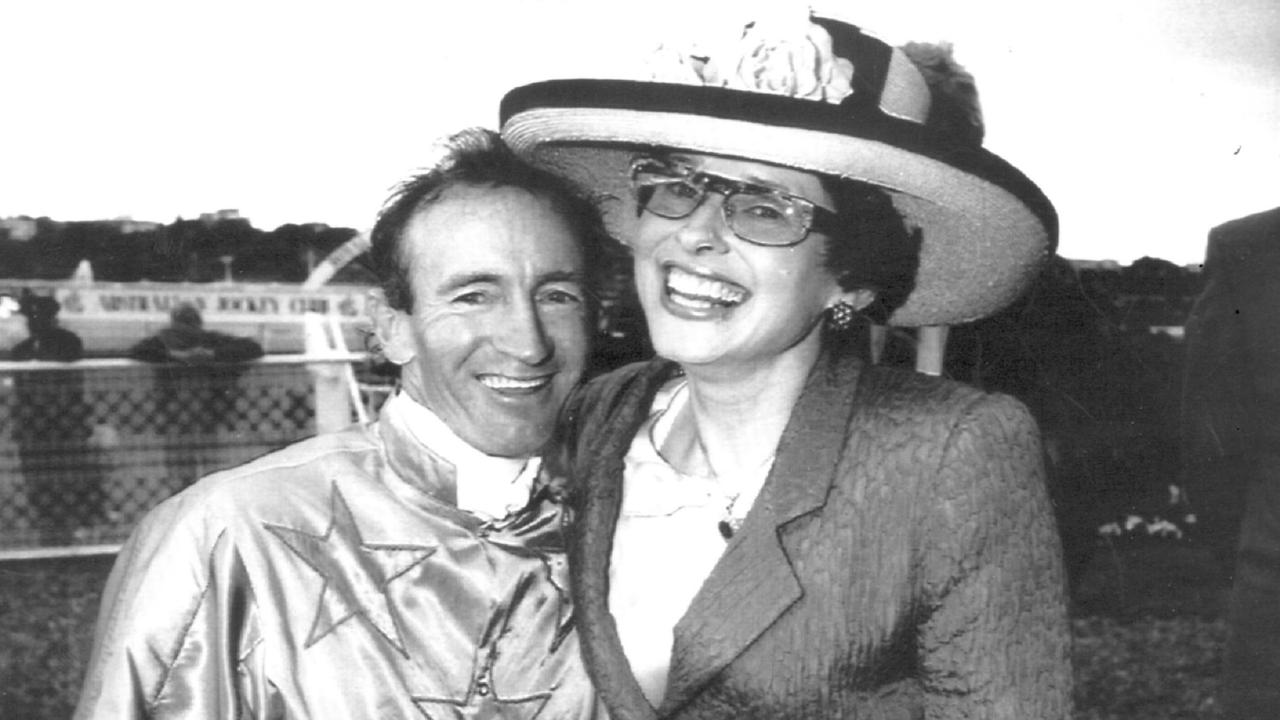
(484, 699)
(355, 573)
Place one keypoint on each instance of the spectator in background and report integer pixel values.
(61, 469)
(46, 341)
(1231, 428)
(186, 341)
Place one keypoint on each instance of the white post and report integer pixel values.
(333, 403)
(877, 336)
(931, 348)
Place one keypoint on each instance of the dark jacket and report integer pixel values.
(195, 346)
(901, 560)
(55, 343)
(1231, 400)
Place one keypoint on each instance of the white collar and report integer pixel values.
(488, 486)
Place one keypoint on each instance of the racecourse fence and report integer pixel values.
(87, 448)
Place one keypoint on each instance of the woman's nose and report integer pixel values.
(704, 231)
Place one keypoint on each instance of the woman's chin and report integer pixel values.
(688, 347)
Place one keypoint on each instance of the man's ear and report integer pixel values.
(391, 328)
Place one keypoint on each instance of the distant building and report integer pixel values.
(21, 229)
(222, 216)
(1095, 264)
(127, 225)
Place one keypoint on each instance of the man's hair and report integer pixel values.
(186, 315)
(478, 158)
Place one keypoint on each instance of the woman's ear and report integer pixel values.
(860, 298)
(857, 298)
(391, 328)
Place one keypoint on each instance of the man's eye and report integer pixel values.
(561, 297)
(471, 298)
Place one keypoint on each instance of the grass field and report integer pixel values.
(1148, 634)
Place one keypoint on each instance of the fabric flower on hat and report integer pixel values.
(782, 59)
(776, 55)
(955, 110)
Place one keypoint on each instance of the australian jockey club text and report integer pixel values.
(92, 303)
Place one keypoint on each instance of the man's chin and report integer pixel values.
(511, 444)
(514, 449)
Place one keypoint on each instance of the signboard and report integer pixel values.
(111, 316)
(232, 303)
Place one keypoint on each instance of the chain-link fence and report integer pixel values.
(87, 448)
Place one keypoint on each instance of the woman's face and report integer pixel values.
(711, 297)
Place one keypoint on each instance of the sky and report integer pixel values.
(1146, 121)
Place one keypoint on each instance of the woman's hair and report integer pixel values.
(876, 250)
(478, 158)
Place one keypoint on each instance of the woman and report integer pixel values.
(767, 528)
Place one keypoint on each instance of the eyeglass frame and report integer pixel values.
(814, 217)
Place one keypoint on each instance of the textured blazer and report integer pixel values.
(901, 560)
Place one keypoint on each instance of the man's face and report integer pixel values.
(498, 335)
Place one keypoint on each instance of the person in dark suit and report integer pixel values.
(61, 467)
(187, 341)
(1231, 428)
(766, 528)
(45, 339)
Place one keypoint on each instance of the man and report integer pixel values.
(61, 468)
(406, 569)
(186, 341)
(45, 339)
(1231, 426)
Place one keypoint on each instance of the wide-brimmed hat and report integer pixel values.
(819, 95)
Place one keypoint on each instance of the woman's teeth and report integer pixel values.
(696, 289)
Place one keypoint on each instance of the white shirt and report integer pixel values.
(487, 486)
(666, 542)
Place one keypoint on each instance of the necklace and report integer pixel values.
(732, 518)
(748, 483)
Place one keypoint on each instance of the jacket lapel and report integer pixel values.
(754, 583)
(592, 535)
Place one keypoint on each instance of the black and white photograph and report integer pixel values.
(588, 360)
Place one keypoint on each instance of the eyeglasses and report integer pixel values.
(758, 214)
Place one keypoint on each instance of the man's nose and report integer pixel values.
(705, 229)
(521, 334)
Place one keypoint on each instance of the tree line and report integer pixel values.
(182, 251)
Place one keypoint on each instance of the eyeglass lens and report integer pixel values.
(753, 213)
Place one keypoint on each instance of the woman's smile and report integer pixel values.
(711, 297)
(701, 292)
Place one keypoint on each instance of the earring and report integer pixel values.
(840, 316)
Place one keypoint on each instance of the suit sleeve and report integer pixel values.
(149, 350)
(173, 616)
(994, 639)
(229, 348)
